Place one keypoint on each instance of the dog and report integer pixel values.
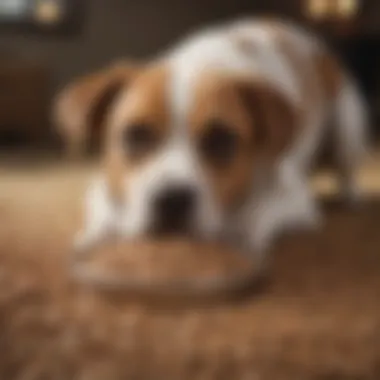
(217, 137)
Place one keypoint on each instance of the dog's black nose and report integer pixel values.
(174, 207)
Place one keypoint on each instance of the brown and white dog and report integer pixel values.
(216, 137)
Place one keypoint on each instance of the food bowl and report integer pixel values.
(170, 267)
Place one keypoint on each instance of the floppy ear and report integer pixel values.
(81, 108)
(273, 116)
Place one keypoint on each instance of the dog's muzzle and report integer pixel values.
(173, 209)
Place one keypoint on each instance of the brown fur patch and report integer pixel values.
(330, 73)
(320, 76)
(216, 99)
(301, 66)
(143, 103)
(80, 108)
(298, 63)
(261, 118)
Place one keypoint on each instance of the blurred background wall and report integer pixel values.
(113, 29)
(121, 28)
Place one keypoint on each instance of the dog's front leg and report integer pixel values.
(287, 205)
(100, 218)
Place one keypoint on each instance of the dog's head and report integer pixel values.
(181, 153)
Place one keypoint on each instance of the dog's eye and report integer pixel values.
(219, 144)
(139, 140)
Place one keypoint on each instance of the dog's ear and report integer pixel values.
(81, 108)
(273, 117)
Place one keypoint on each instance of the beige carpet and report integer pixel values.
(318, 317)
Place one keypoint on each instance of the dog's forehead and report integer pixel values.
(216, 99)
(197, 95)
(211, 90)
(144, 99)
(176, 97)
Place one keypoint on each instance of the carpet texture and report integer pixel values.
(317, 317)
